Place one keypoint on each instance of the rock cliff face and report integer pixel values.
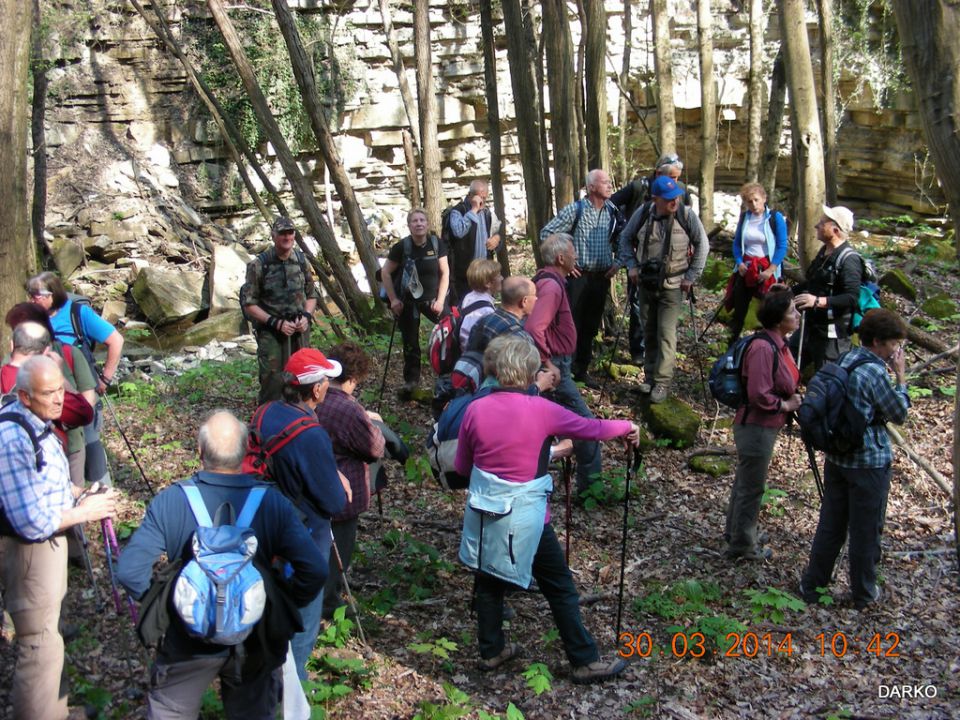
(133, 153)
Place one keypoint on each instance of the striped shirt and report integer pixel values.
(591, 236)
(32, 500)
(870, 391)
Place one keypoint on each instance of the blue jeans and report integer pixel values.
(304, 642)
(556, 583)
(587, 451)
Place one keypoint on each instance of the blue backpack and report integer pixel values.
(442, 441)
(726, 375)
(828, 420)
(219, 595)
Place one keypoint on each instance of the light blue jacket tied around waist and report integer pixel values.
(502, 525)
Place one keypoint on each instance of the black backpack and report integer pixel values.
(828, 420)
(6, 529)
(407, 264)
(726, 376)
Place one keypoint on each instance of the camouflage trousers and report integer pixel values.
(273, 351)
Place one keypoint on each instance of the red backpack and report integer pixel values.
(260, 451)
(444, 346)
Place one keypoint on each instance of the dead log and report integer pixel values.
(920, 462)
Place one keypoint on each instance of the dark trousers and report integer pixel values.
(345, 536)
(587, 452)
(742, 295)
(635, 327)
(587, 294)
(818, 348)
(556, 583)
(854, 501)
(409, 324)
(273, 351)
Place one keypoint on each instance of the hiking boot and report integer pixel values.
(659, 394)
(406, 390)
(637, 359)
(808, 596)
(598, 671)
(645, 388)
(509, 652)
(760, 553)
(864, 604)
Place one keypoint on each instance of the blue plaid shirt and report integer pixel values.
(33, 501)
(499, 322)
(870, 391)
(591, 236)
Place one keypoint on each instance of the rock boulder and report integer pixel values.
(166, 296)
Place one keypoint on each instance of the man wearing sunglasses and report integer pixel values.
(279, 298)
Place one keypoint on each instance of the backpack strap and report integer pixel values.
(576, 218)
(296, 426)
(251, 505)
(77, 324)
(31, 433)
(195, 499)
(474, 306)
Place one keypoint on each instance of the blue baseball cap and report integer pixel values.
(666, 188)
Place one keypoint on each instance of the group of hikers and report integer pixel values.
(280, 497)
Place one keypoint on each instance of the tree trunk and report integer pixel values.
(956, 468)
(300, 185)
(303, 72)
(525, 93)
(828, 101)
(663, 67)
(928, 37)
(537, 50)
(493, 128)
(16, 251)
(38, 136)
(239, 150)
(808, 148)
(595, 86)
(624, 170)
(560, 83)
(581, 120)
(396, 60)
(755, 90)
(708, 105)
(410, 167)
(773, 129)
(427, 104)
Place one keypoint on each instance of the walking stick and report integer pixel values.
(803, 319)
(567, 472)
(112, 548)
(126, 441)
(631, 468)
(81, 537)
(346, 586)
(386, 365)
(815, 468)
(696, 348)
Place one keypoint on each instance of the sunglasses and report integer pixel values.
(41, 293)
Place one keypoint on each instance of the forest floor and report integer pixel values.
(712, 638)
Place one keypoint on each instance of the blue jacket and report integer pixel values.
(507, 518)
(168, 528)
(776, 238)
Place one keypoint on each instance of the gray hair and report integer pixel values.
(592, 176)
(222, 441)
(555, 244)
(670, 160)
(33, 366)
(476, 186)
(515, 360)
(30, 338)
(515, 288)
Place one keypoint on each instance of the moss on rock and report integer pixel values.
(896, 281)
(712, 465)
(672, 419)
(940, 306)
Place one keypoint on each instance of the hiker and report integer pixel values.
(664, 250)
(485, 283)
(518, 295)
(759, 249)
(424, 294)
(75, 323)
(629, 199)
(38, 503)
(305, 469)
(507, 466)
(356, 442)
(185, 666)
(474, 235)
(830, 294)
(770, 378)
(594, 224)
(279, 297)
(551, 326)
(856, 484)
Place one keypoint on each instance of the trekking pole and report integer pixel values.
(815, 468)
(567, 472)
(803, 322)
(713, 319)
(112, 548)
(346, 586)
(126, 441)
(631, 468)
(696, 348)
(386, 365)
(81, 537)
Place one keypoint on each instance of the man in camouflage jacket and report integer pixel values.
(279, 298)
